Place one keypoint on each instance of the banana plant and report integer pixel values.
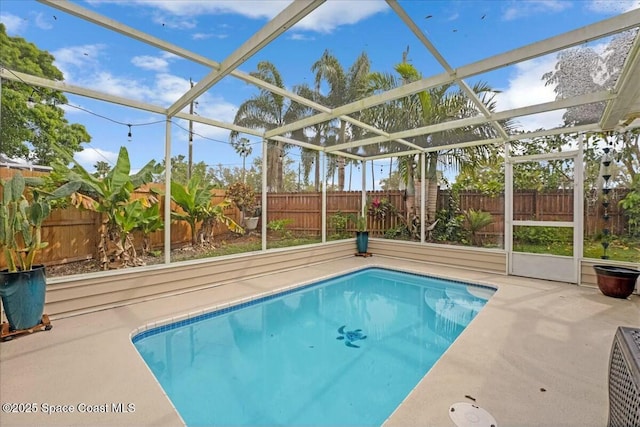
(150, 220)
(111, 196)
(196, 208)
(23, 208)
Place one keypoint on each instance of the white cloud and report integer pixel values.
(521, 9)
(175, 22)
(301, 37)
(90, 156)
(43, 22)
(612, 7)
(326, 18)
(14, 24)
(249, 8)
(204, 36)
(148, 62)
(333, 14)
(525, 88)
(77, 59)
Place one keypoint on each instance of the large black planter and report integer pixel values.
(362, 241)
(616, 282)
(23, 295)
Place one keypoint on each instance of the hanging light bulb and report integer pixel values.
(31, 102)
(129, 134)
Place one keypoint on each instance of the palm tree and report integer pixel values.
(343, 88)
(102, 169)
(438, 105)
(266, 111)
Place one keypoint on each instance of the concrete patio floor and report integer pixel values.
(536, 355)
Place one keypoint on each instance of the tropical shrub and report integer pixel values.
(476, 221)
(111, 196)
(339, 223)
(197, 209)
(631, 206)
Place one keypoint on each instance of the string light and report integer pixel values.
(30, 101)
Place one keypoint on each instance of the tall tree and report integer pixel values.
(342, 89)
(266, 111)
(583, 69)
(436, 105)
(102, 169)
(179, 168)
(29, 133)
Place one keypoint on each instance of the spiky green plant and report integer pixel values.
(23, 208)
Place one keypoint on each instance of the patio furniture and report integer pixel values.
(624, 378)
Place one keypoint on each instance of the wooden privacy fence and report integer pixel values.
(304, 210)
(73, 234)
(542, 206)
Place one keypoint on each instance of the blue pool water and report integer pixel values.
(344, 351)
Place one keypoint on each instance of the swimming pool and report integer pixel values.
(343, 351)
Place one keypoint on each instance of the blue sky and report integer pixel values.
(463, 31)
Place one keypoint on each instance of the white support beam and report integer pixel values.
(298, 143)
(423, 196)
(545, 156)
(591, 32)
(576, 37)
(443, 62)
(167, 192)
(372, 101)
(628, 90)
(375, 130)
(263, 197)
(323, 215)
(114, 99)
(467, 144)
(219, 124)
(477, 120)
(278, 25)
(397, 154)
(78, 90)
(110, 24)
(347, 155)
(592, 127)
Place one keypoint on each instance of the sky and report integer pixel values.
(93, 57)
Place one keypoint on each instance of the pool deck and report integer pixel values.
(536, 355)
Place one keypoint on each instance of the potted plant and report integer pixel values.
(362, 235)
(22, 212)
(615, 281)
(243, 196)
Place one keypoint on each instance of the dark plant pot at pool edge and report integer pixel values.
(616, 282)
(362, 241)
(23, 294)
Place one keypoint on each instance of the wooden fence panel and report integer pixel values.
(73, 234)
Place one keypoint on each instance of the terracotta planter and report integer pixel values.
(616, 282)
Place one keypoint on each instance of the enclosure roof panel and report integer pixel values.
(592, 73)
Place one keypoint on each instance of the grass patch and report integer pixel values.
(618, 250)
(233, 248)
